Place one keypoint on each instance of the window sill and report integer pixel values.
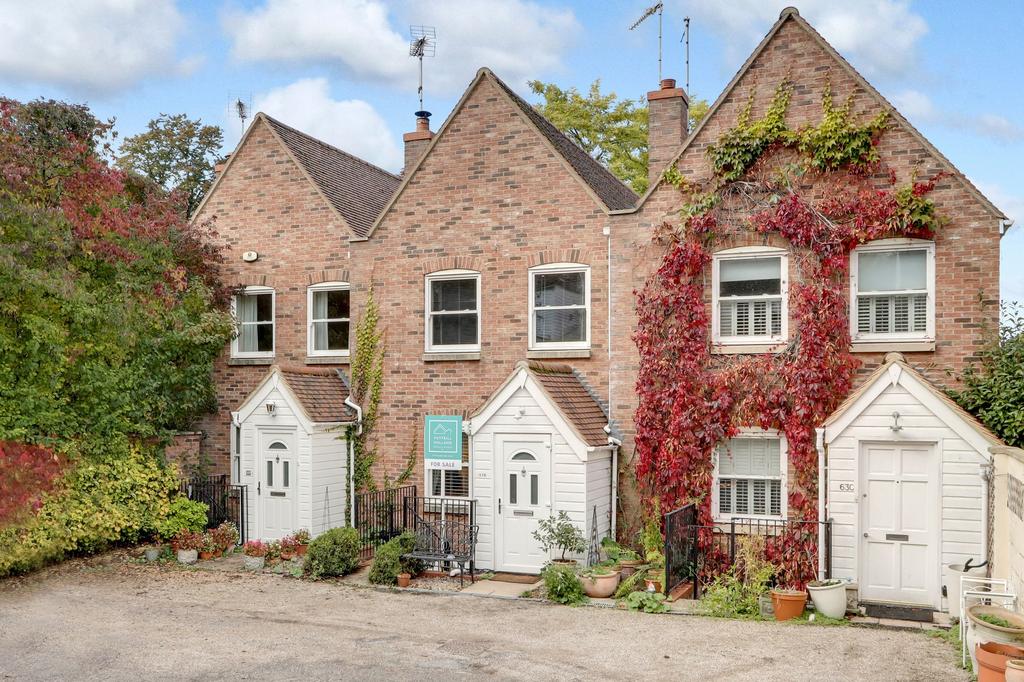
(890, 346)
(746, 349)
(239, 362)
(327, 360)
(541, 354)
(451, 357)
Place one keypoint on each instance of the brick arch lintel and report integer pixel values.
(328, 275)
(548, 256)
(451, 263)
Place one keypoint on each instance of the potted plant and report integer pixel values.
(654, 580)
(562, 534)
(828, 597)
(626, 559)
(992, 624)
(301, 537)
(187, 544)
(600, 581)
(255, 554)
(788, 603)
(273, 552)
(404, 579)
(993, 658)
(288, 548)
(225, 536)
(208, 547)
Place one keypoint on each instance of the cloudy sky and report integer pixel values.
(340, 70)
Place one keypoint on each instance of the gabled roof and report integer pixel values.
(599, 182)
(319, 393)
(792, 14)
(896, 372)
(356, 189)
(562, 388)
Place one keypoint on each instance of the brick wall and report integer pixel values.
(264, 203)
(967, 249)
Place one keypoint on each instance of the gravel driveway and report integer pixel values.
(107, 619)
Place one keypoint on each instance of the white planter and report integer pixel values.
(153, 553)
(829, 600)
(255, 563)
(980, 632)
(188, 556)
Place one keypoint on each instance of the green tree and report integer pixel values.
(994, 388)
(177, 153)
(612, 130)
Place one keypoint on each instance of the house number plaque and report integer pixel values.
(846, 487)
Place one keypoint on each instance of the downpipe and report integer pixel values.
(352, 459)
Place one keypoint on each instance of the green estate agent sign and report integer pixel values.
(442, 446)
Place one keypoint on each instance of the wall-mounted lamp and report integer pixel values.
(271, 409)
(896, 426)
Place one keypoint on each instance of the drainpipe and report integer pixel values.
(822, 500)
(1004, 227)
(616, 444)
(611, 401)
(352, 460)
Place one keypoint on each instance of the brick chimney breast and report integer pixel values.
(416, 142)
(667, 110)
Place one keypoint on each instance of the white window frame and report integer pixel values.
(899, 244)
(717, 516)
(747, 253)
(311, 351)
(251, 290)
(443, 275)
(559, 268)
(428, 474)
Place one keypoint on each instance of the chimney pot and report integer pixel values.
(416, 142)
(668, 83)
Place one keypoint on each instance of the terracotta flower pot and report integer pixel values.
(300, 550)
(205, 556)
(600, 586)
(287, 554)
(404, 579)
(992, 659)
(629, 567)
(788, 604)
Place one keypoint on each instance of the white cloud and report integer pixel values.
(519, 39)
(877, 36)
(95, 46)
(351, 125)
(919, 107)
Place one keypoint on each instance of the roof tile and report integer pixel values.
(321, 391)
(574, 398)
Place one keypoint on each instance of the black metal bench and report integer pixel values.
(446, 542)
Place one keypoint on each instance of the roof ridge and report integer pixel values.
(327, 144)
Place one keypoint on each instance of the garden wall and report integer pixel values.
(1008, 519)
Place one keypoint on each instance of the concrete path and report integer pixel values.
(96, 620)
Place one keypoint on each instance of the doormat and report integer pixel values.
(914, 613)
(515, 578)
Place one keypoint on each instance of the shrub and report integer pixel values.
(183, 514)
(558, 532)
(562, 584)
(735, 593)
(388, 560)
(333, 553)
(648, 602)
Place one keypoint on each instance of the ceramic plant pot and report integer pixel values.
(1015, 670)
(254, 563)
(829, 598)
(788, 604)
(404, 579)
(187, 556)
(980, 632)
(600, 586)
(992, 659)
(153, 553)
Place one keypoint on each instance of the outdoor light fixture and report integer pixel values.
(271, 409)
(896, 422)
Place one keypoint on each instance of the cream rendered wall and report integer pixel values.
(1007, 527)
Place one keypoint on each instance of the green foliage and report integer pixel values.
(177, 153)
(914, 210)
(735, 593)
(616, 552)
(648, 602)
(653, 540)
(562, 585)
(560, 533)
(120, 497)
(631, 583)
(741, 146)
(182, 514)
(837, 141)
(994, 387)
(333, 553)
(367, 384)
(952, 638)
(388, 560)
(612, 130)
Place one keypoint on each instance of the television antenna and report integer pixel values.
(658, 9)
(424, 44)
(242, 110)
(686, 39)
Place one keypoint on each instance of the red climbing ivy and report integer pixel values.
(690, 400)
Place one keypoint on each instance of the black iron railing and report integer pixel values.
(380, 516)
(446, 532)
(700, 553)
(225, 502)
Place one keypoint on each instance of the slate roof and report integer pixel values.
(357, 189)
(574, 398)
(321, 391)
(606, 186)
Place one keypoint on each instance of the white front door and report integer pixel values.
(277, 485)
(524, 498)
(900, 520)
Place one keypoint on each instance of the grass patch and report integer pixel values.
(952, 638)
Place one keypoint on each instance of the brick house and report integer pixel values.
(504, 256)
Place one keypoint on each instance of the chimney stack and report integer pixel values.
(416, 142)
(668, 114)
